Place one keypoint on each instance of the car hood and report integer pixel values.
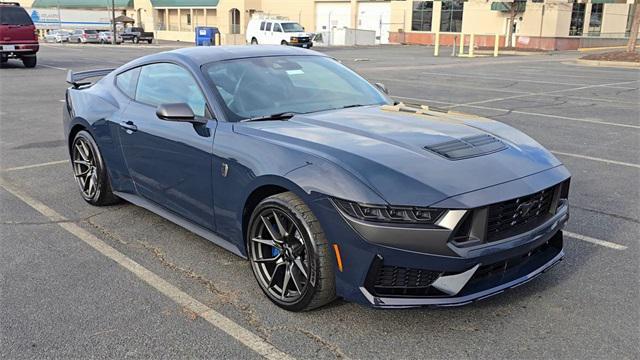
(385, 149)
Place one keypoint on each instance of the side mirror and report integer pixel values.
(382, 87)
(180, 112)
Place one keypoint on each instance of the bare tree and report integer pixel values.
(635, 25)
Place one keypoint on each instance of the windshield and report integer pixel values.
(291, 27)
(263, 86)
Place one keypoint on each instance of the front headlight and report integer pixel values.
(389, 214)
(294, 39)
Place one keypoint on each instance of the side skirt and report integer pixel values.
(180, 221)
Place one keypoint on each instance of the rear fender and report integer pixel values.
(96, 111)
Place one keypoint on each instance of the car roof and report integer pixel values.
(201, 55)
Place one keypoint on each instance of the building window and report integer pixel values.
(421, 16)
(235, 21)
(451, 16)
(577, 19)
(595, 22)
(188, 19)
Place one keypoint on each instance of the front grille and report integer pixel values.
(403, 281)
(518, 215)
(547, 250)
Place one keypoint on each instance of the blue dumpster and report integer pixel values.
(206, 35)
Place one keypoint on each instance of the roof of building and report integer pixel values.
(81, 4)
(185, 3)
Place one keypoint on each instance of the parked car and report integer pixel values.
(137, 34)
(277, 32)
(286, 157)
(106, 37)
(84, 36)
(57, 36)
(18, 36)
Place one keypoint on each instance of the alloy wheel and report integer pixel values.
(279, 255)
(85, 168)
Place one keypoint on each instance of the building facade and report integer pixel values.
(540, 24)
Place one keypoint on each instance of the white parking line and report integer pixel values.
(524, 93)
(35, 165)
(543, 93)
(507, 78)
(525, 113)
(595, 241)
(597, 159)
(244, 336)
(53, 67)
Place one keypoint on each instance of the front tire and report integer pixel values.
(90, 171)
(136, 40)
(289, 254)
(284, 43)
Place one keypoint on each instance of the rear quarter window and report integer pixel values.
(127, 82)
(14, 15)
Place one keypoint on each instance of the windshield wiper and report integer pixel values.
(279, 116)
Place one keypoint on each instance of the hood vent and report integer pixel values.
(467, 147)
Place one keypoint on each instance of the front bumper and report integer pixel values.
(488, 283)
(445, 274)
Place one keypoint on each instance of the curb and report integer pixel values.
(601, 48)
(616, 64)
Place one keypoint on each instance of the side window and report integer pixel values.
(276, 27)
(268, 28)
(168, 83)
(262, 26)
(127, 81)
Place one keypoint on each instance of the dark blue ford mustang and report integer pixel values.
(327, 186)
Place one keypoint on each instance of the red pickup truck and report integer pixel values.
(18, 36)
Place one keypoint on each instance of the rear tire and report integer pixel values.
(284, 237)
(254, 41)
(149, 41)
(90, 171)
(29, 61)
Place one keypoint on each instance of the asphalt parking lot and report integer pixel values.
(65, 294)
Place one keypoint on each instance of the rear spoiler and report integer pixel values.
(75, 78)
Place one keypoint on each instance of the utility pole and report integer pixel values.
(635, 28)
(113, 22)
(59, 18)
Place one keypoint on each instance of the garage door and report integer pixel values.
(375, 16)
(332, 15)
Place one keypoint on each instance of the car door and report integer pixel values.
(170, 162)
(267, 34)
(277, 34)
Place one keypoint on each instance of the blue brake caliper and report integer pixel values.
(275, 252)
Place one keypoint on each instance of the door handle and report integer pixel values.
(129, 125)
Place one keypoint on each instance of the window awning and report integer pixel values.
(81, 4)
(184, 3)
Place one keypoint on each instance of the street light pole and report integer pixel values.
(113, 22)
